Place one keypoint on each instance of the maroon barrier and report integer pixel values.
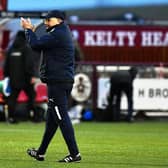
(122, 44)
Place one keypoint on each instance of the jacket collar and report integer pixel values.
(51, 29)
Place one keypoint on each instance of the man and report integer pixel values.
(57, 71)
(122, 82)
(20, 69)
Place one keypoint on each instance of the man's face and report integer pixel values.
(50, 22)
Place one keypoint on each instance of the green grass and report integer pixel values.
(102, 145)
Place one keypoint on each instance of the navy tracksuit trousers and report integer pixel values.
(57, 115)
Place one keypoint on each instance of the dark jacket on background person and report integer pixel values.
(120, 77)
(58, 62)
(19, 64)
(20, 68)
(122, 81)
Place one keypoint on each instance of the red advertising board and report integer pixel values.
(123, 44)
(3, 4)
(4, 38)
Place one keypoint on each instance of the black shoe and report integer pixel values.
(12, 121)
(130, 120)
(34, 153)
(69, 159)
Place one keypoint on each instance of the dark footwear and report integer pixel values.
(130, 120)
(34, 153)
(69, 159)
(12, 121)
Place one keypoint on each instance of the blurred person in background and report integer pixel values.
(57, 71)
(79, 56)
(2, 58)
(122, 82)
(19, 67)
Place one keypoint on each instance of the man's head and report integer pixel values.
(53, 18)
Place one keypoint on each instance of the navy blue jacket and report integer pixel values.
(58, 53)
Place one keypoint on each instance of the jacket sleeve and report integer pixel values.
(29, 62)
(44, 42)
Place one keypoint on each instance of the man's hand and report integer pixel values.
(33, 80)
(26, 23)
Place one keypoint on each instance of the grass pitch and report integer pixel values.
(102, 145)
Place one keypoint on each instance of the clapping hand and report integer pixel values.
(26, 23)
